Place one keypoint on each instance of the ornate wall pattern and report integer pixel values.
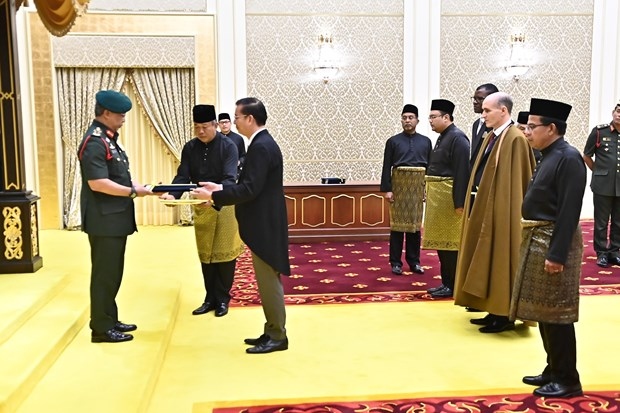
(149, 5)
(475, 47)
(123, 51)
(327, 7)
(338, 128)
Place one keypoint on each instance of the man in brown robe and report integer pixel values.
(491, 234)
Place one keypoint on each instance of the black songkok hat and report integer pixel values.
(550, 109)
(223, 116)
(443, 105)
(204, 113)
(522, 118)
(113, 101)
(410, 109)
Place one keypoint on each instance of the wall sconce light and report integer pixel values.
(325, 65)
(517, 65)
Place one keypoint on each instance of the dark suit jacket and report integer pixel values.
(259, 202)
(476, 141)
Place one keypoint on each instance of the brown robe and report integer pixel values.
(491, 237)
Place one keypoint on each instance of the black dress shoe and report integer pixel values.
(614, 260)
(553, 389)
(417, 269)
(472, 310)
(602, 261)
(498, 325)
(124, 328)
(110, 336)
(445, 292)
(484, 321)
(432, 290)
(204, 308)
(221, 310)
(268, 346)
(255, 341)
(397, 269)
(539, 380)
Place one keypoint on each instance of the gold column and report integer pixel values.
(19, 250)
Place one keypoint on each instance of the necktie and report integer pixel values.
(492, 139)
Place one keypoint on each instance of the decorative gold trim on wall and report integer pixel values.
(12, 233)
(34, 232)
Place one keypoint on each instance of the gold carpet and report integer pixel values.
(183, 363)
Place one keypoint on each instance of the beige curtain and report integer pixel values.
(76, 100)
(150, 162)
(167, 96)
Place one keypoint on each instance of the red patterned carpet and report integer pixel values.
(599, 402)
(355, 272)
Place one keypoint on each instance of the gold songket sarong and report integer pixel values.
(538, 295)
(408, 207)
(217, 234)
(442, 225)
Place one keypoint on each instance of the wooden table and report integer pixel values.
(340, 212)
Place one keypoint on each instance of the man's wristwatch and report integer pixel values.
(133, 192)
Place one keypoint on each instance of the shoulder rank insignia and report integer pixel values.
(96, 132)
(602, 126)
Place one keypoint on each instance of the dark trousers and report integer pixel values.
(107, 256)
(606, 207)
(561, 348)
(412, 248)
(447, 264)
(218, 278)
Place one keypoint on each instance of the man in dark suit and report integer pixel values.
(478, 129)
(107, 208)
(260, 209)
(223, 121)
(601, 154)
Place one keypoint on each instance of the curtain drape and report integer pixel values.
(76, 91)
(167, 96)
(150, 162)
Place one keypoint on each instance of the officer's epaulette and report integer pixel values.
(96, 132)
(602, 126)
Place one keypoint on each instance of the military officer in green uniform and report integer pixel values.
(603, 145)
(107, 209)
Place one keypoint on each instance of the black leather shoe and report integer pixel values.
(443, 293)
(204, 308)
(417, 269)
(221, 310)
(497, 326)
(110, 336)
(602, 261)
(268, 346)
(539, 380)
(614, 260)
(472, 310)
(397, 269)
(484, 321)
(432, 290)
(125, 328)
(255, 341)
(553, 389)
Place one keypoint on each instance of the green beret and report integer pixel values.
(113, 101)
